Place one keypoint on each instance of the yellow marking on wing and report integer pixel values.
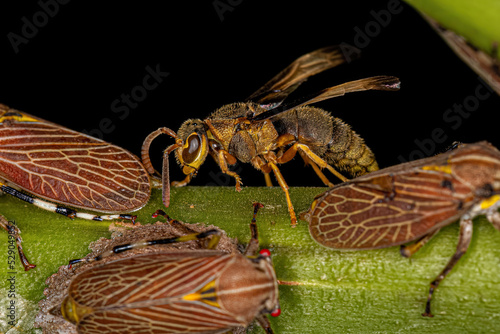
(487, 203)
(207, 295)
(19, 117)
(192, 296)
(445, 169)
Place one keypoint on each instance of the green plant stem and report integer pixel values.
(339, 292)
(477, 21)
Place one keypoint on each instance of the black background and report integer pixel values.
(88, 54)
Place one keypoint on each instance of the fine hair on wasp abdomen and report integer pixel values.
(329, 137)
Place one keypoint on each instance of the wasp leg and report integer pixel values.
(463, 243)
(408, 251)
(316, 169)
(284, 186)
(266, 167)
(223, 157)
(267, 178)
(261, 165)
(320, 162)
(285, 140)
(290, 153)
(184, 182)
(14, 233)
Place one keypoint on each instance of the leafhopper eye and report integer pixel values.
(265, 252)
(276, 312)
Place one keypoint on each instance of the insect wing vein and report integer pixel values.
(71, 168)
(364, 215)
(147, 292)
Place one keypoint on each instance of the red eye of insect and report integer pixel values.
(265, 252)
(276, 312)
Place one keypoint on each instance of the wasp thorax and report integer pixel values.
(238, 109)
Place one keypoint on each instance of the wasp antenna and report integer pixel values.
(165, 175)
(146, 160)
(165, 180)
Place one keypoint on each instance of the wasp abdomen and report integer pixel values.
(328, 137)
(348, 152)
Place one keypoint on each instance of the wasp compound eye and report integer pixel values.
(193, 146)
(194, 152)
(192, 149)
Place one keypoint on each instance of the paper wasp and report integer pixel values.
(265, 132)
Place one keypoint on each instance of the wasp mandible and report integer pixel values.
(264, 132)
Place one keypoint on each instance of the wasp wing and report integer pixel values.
(68, 167)
(284, 83)
(388, 83)
(148, 294)
(389, 207)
